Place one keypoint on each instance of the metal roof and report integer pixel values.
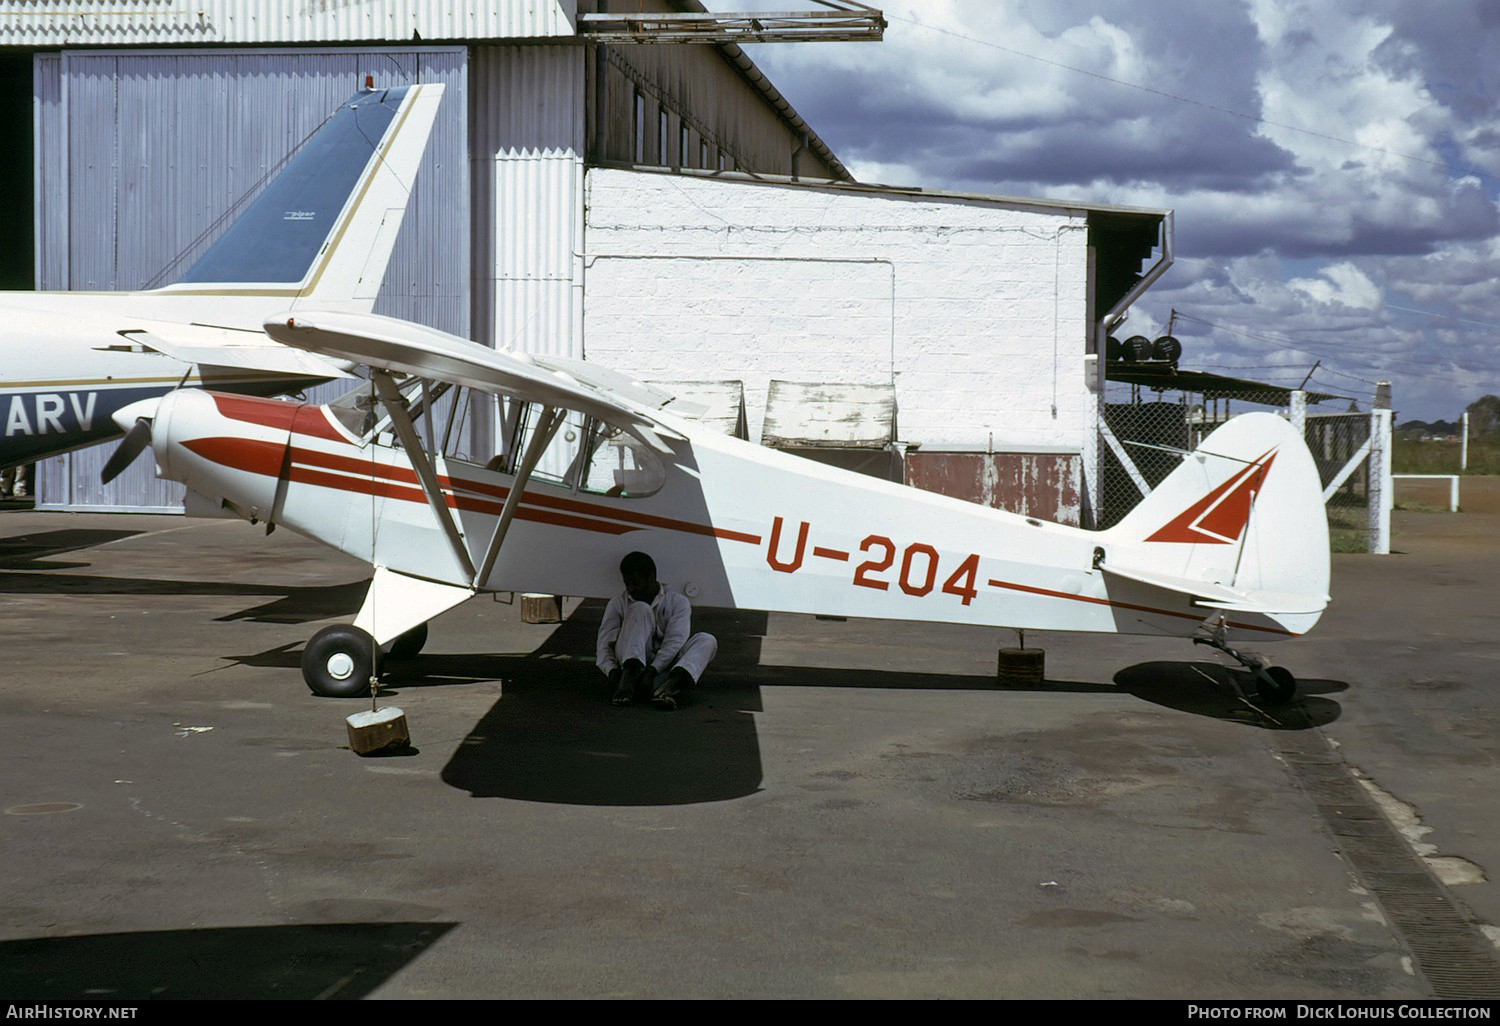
(80, 23)
(1111, 214)
(1210, 386)
(837, 21)
(48, 23)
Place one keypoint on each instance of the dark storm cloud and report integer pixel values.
(1352, 140)
(1068, 158)
(1097, 146)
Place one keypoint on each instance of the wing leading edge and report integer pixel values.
(203, 345)
(406, 348)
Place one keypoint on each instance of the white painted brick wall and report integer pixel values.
(975, 309)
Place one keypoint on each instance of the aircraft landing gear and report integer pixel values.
(338, 662)
(408, 645)
(1274, 684)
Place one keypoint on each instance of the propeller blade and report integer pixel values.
(136, 439)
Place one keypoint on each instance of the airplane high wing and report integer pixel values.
(321, 232)
(402, 347)
(458, 470)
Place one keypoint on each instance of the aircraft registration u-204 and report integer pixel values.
(588, 464)
(321, 232)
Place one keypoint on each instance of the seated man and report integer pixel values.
(644, 638)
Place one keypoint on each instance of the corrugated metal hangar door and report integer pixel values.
(143, 158)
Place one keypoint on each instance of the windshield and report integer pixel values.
(583, 453)
(359, 410)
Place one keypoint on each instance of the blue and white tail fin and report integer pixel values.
(1240, 526)
(321, 233)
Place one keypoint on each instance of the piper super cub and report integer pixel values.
(587, 463)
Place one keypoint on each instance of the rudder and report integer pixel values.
(1243, 511)
(322, 231)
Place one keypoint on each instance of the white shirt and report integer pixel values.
(672, 616)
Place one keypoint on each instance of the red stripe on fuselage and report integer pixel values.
(278, 414)
(393, 490)
(249, 454)
(367, 477)
(354, 465)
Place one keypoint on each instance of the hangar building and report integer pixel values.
(659, 208)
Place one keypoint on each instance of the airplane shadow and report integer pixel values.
(555, 737)
(27, 551)
(321, 961)
(288, 604)
(1208, 689)
(26, 570)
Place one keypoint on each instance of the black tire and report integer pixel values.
(338, 662)
(408, 645)
(1275, 685)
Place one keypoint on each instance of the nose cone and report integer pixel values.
(126, 416)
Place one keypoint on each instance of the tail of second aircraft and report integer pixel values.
(1240, 526)
(322, 231)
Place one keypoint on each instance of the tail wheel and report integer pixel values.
(338, 662)
(410, 643)
(1275, 685)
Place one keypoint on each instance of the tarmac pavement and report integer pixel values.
(845, 809)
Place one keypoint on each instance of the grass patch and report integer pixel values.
(1348, 528)
(1413, 457)
(1417, 506)
(1347, 539)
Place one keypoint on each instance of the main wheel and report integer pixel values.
(1275, 684)
(410, 643)
(338, 662)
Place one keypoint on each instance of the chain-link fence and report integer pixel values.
(1144, 430)
(1336, 440)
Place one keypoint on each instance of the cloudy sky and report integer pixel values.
(1332, 163)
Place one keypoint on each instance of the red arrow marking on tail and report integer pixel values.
(1219, 518)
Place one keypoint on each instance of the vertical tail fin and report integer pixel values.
(322, 231)
(1243, 514)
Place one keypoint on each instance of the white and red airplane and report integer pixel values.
(588, 464)
(320, 233)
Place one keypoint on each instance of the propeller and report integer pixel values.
(137, 437)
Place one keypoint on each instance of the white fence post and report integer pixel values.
(1297, 411)
(1380, 490)
(1093, 462)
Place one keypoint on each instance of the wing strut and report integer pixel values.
(548, 422)
(421, 461)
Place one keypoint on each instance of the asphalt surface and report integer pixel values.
(845, 809)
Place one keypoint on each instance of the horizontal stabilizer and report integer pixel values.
(226, 347)
(1222, 596)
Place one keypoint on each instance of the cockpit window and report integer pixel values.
(357, 410)
(583, 454)
(616, 463)
(360, 410)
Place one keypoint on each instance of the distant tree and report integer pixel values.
(1484, 416)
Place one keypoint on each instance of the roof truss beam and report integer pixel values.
(844, 21)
